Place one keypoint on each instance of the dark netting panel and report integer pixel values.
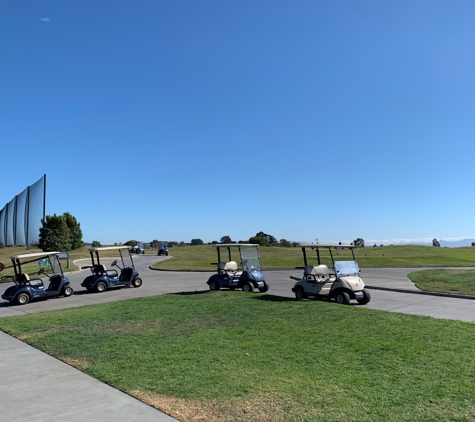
(10, 223)
(2, 226)
(20, 219)
(35, 210)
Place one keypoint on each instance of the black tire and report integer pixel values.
(213, 285)
(248, 287)
(67, 291)
(22, 298)
(366, 298)
(300, 293)
(100, 287)
(265, 288)
(342, 298)
(137, 282)
(166, 254)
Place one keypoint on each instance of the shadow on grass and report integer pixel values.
(262, 297)
(273, 298)
(194, 292)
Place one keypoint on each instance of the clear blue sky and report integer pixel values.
(198, 119)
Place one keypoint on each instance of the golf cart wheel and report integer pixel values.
(22, 299)
(300, 293)
(100, 287)
(342, 298)
(137, 282)
(67, 291)
(248, 287)
(366, 298)
(265, 288)
(213, 285)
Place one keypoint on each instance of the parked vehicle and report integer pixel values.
(341, 283)
(163, 249)
(249, 277)
(103, 278)
(27, 287)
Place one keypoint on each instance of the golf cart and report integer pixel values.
(342, 283)
(247, 278)
(102, 278)
(28, 288)
(163, 249)
(138, 248)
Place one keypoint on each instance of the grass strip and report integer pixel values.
(232, 356)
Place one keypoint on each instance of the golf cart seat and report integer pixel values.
(31, 281)
(23, 279)
(101, 269)
(109, 273)
(319, 272)
(231, 267)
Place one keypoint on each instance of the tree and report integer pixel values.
(54, 234)
(256, 240)
(359, 242)
(285, 243)
(96, 244)
(154, 243)
(196, 242)
(263, 239)
(225, 239)
(75, 232)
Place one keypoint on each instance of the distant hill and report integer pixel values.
(443, 243)
(456, 243)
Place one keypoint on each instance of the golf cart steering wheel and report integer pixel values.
(114, 263)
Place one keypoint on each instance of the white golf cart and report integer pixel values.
(342, 282)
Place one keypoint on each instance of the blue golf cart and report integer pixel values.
(103, 278)
(248, 277)
(31, 287)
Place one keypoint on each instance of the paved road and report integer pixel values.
(64, 393)
(161, 282)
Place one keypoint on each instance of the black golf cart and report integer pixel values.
(28, 287)
(229, 275)
(103, 278)
(341, 283)
(163, 249)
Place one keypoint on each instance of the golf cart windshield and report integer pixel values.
(250, 259)
(51, 263)
(343, 268)
(126, 258)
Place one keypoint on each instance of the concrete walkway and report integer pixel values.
(37, 387)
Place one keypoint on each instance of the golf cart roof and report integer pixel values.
(227, 245)
(34, 255)
(325, 245)
(108, 248)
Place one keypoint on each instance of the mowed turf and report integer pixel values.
(201, 257)
(233, 356)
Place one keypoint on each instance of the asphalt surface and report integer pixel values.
(37, 387)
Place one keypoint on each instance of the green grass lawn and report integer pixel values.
(455, 281)
(186, 258)
(222, 356)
